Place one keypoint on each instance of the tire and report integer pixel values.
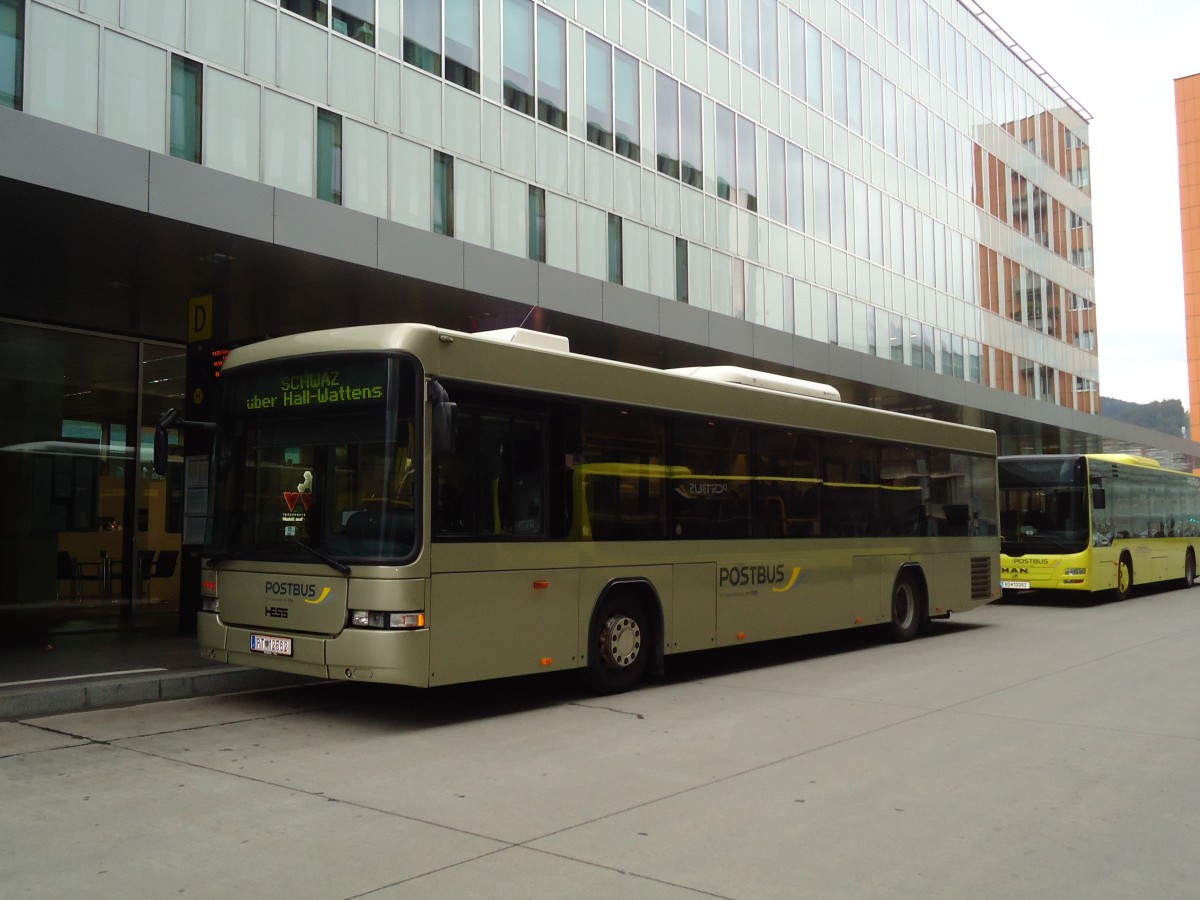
(907, 614)
(1189, 569)
(1124, 578)
(620, 643)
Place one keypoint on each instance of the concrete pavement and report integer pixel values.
(1022, 750)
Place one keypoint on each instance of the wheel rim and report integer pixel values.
(904, 605)
(620, 642)
(1124, 577)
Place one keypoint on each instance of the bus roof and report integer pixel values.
(545, 365)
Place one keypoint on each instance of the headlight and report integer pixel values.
(372, 618)
(1076, 572)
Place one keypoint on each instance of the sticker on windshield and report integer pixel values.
(298, 503)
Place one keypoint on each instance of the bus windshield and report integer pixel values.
(314, 459)
(1043, 503)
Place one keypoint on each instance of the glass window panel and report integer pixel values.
(423, 34)
(187, 104)
(837, 77)
(329, 156)
(355, 18)
(889, 118)
(820, 190)
(691, 145)
(750, 34)
(776, 179)
(627, 107)
(551, 68)
(813, 68)
(854, 98)
(837, 206)
(443, 193)
(795, 187)
(462, 43)
(518, 55)
(861, 230)
(726, 174)
(662, 6)
(599, 92)
(796, 45)
(537, 224)
(681, 270)
(769, 24)
(12, 53)
(875, 104)
(875, 225)
(718, 24)
(696, 19)
(316, 10)
(747, 165)
(615, 249)
(666, 118)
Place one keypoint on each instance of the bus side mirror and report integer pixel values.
(1097, 498)
(445, 425)
(160, 440)
(444, 419)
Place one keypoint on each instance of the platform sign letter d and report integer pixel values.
(200, 318)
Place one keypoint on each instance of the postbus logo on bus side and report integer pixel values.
(751, 577)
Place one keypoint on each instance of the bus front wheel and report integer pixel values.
(1189, 569)
(1124, 578)
(619, 644)
(906, 608)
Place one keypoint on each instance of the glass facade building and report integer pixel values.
(881, 194)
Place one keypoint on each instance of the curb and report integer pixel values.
(50, 700)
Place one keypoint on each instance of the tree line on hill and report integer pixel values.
(1167, 416)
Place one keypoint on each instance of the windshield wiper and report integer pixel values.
(337, 565)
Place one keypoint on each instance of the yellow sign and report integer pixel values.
(200, 318)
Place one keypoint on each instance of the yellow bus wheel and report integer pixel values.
(1189, 569)
(1124, 577)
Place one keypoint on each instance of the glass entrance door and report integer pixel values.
(76, 491)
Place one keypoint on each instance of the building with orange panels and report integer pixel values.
(1187, 124)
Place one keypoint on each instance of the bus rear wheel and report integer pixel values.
(906, 608)
(1189, 569)
(619, 644)
(1124, 578)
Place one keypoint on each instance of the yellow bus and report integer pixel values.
(413, 505)
(1096, 523)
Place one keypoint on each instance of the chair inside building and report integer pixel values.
(77, 575)
(155, 565)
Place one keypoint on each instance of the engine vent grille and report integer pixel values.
(981, 578)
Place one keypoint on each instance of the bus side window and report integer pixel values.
(455, 483)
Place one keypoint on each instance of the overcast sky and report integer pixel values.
(1120, 60)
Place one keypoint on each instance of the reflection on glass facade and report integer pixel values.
(892, 154)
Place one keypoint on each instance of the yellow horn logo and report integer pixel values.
(791, 581)
(325, 593)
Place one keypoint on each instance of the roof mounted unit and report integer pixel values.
(523, 337)
(764, 380)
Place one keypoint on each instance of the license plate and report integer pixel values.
(270, 645)
(1015, 585)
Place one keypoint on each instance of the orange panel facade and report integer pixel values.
(1187, 120)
